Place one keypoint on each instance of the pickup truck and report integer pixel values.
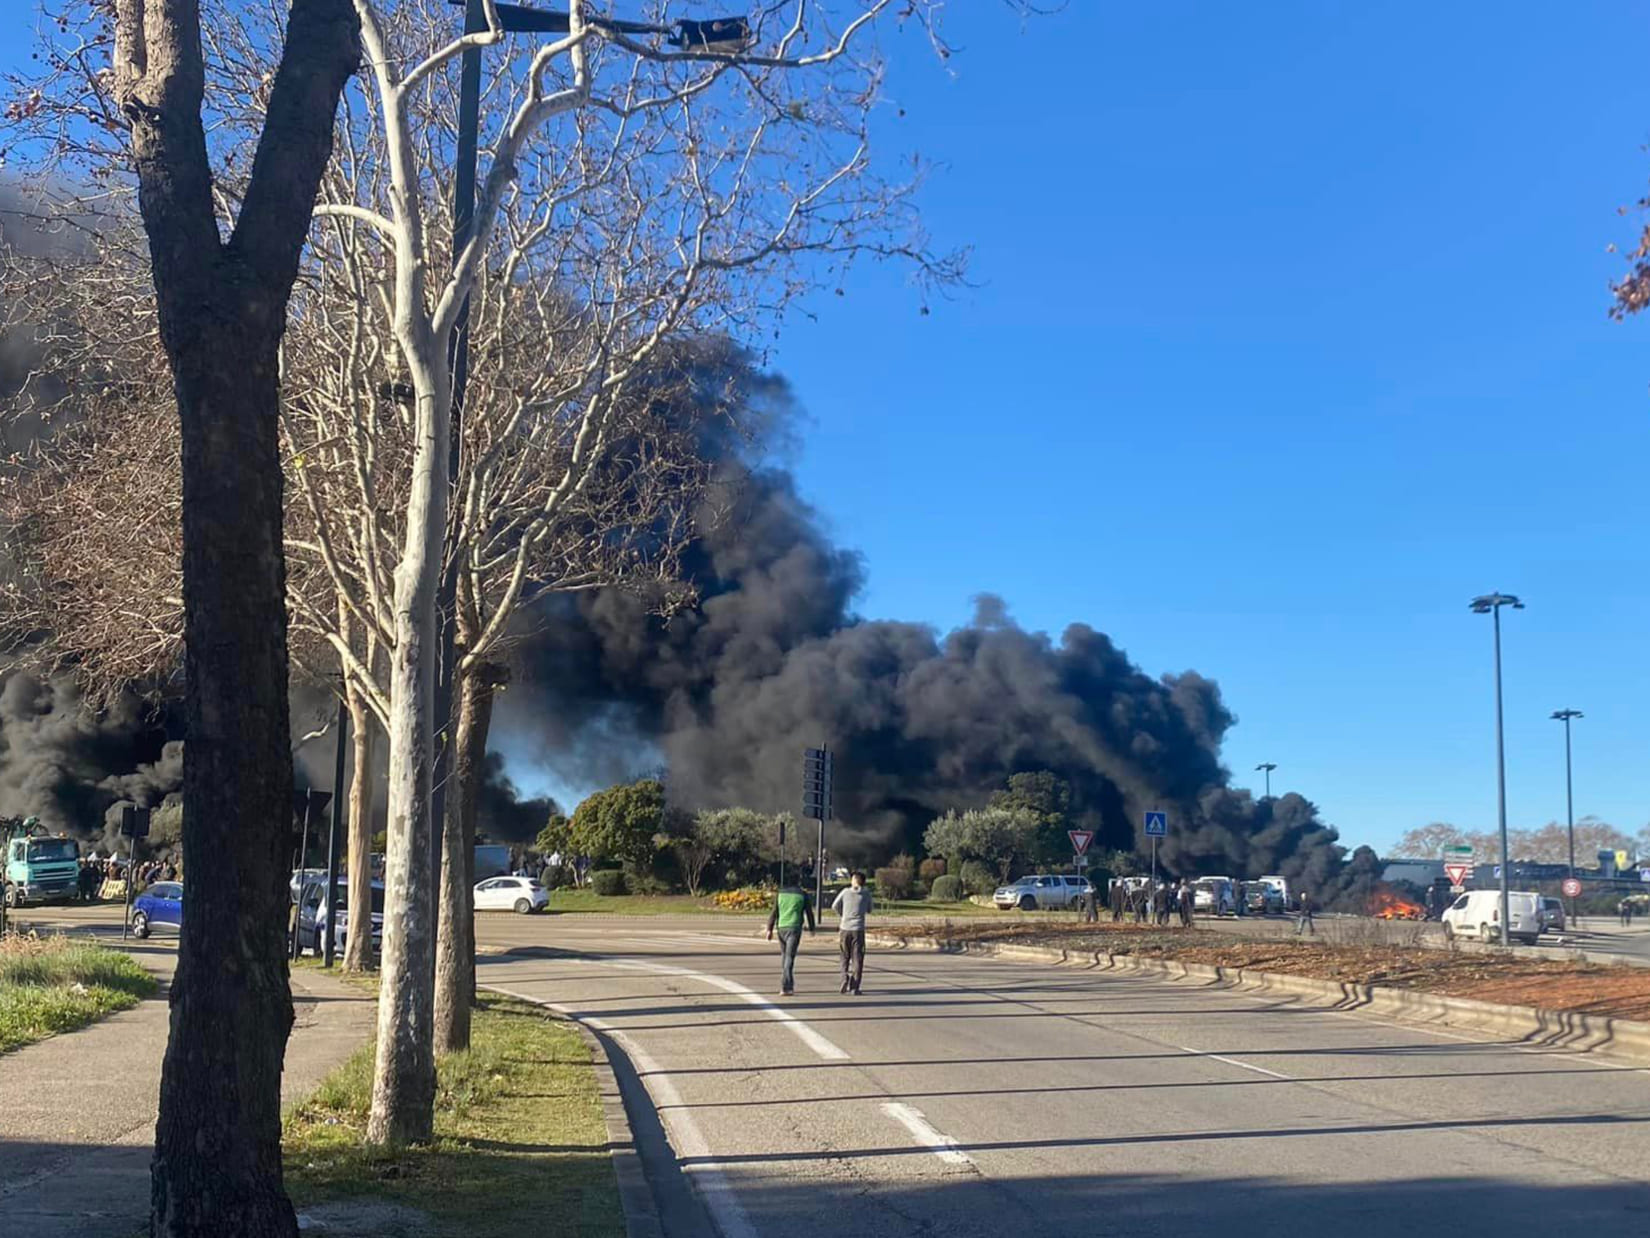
(1046, 891)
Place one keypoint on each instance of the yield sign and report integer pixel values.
(1080, 840)
(1457, 873)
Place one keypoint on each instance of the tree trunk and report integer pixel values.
(222, 312)
(403, 1088)
(217, 1164)
(358, 948)
(455, 959)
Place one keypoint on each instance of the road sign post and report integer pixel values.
(134, 824)
(1157, 826)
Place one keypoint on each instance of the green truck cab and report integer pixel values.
(39, 868)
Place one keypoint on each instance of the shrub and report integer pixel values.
(894, 882)
(746, 899)
(946, 889)
(977, 878)
(930, 869)
(608, 881)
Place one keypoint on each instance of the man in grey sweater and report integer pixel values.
(853, 904)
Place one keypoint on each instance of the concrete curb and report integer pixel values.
(1553, 1029)
(641, 1215)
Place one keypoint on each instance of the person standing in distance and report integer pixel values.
(791, 909)
(853, 904)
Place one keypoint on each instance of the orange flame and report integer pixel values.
(1390, 905)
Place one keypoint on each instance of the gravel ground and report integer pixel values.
(1617, 991)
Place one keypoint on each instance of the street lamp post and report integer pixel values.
(1491, 604)
(1267, 767)
(1564, 716)
(723, 34)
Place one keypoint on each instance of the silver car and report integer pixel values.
(1045, 891)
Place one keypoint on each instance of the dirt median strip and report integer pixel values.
(1355, 982)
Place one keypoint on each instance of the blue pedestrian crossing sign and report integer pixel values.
(1157, 825)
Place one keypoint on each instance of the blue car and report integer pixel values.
(159, 907)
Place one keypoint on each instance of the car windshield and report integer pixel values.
(53, 849)
(342, 897)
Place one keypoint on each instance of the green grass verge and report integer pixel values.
(520, 1146)
(54, 984)
(564, 900)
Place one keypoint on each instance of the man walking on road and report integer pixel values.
(791, 909)
(853, 904)
(1303, 922)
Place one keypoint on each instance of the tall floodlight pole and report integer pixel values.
(1491, 604)
(1266, 767)
(1564, 716)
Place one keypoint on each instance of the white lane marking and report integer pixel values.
(685, 1136)
(1232, 1061)
(819, 1044)
(923, 1131)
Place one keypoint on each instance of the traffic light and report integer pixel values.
(816, 784)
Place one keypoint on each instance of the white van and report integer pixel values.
(1477, 914)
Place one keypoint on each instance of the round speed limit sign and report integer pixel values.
(1571, 888)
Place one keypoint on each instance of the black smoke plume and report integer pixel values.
(774, 660)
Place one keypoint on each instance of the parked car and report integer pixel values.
(1552, 915)
(1281, 885)
(300, 876)
(1262, 899)
(312, 915)
(1477, 914)
(159, 908)
(520, 894)
(1214, 896)
(1045, 891)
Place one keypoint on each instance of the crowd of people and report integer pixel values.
(105, 876)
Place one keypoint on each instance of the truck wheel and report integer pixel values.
(140, 925)
(1449, 931)
(523, 906)
(1028, 903)
(1484, 933)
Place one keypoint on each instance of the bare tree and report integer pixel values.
(221, 289)
(675, 191)
(636, 195)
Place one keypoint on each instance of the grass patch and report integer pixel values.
(50, 985)
(520, 1146)
(565, 900)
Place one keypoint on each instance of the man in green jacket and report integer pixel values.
(791, 909)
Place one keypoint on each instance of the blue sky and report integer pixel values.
(1289, 337)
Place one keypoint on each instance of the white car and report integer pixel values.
(520, 894)
(1214, 896)
(1477, 913)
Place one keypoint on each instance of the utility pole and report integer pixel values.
(1491, 604)
(1564, 716)
(335, 834)
(718, 34)
(1267, 767)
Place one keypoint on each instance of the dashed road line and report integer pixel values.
(925, 1133)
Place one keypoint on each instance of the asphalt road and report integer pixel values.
(964, 1096)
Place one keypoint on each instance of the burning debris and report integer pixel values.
(1387, 903)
